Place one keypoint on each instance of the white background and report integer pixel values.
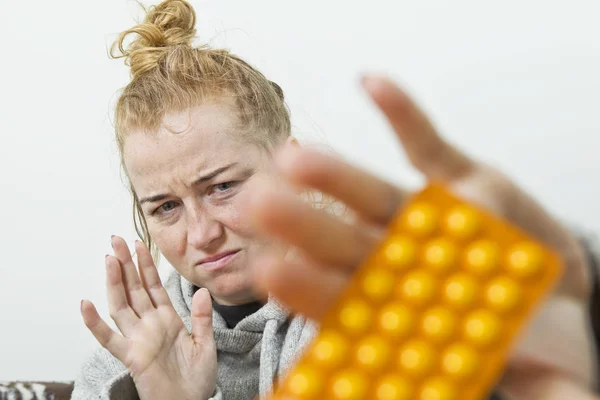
(516, 83)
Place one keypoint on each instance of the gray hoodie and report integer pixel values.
(250, 356)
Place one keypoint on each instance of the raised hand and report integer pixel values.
(164, 360)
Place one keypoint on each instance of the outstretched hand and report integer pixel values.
(329, 248)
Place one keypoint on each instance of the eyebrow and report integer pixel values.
(213, 174)
(202, 179)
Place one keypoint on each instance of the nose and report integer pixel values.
(203, 229)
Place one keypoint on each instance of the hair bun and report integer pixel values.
(174, 22)
(170, 23)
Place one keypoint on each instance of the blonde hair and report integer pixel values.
(169, 73)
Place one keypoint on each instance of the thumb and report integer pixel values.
(201, 316)
(425, 148)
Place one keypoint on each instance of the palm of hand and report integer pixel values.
(157, 342)
(162, 349)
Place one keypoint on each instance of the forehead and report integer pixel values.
(186, 145)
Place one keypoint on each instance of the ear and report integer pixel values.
(292, 142)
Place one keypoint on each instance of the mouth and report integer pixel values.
(217, 261)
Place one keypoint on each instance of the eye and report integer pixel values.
(224, 187)
(165, 207)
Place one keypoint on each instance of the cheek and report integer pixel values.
(171, 240)
(235, 219)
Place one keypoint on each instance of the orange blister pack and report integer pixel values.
(432, 313)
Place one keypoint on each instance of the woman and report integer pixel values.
(197, 130)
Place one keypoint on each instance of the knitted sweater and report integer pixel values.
(250, 357)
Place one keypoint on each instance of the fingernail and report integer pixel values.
(111, 241)
(372, 80)
(366, 78)
(81, 306)
(363, 79)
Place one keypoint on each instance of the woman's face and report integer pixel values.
(191, 186)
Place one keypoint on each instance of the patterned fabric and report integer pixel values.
(35, 390)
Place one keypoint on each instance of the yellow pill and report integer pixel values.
(378, 284)
(305, 382)
(399, 252)
(349, 385)
(330, 349)
(462, 222)
(355, 316)
(438, 389)
(438, 323)
(460, 290)
(439, 255)
(396, 320)
(482, 327)
(418, 287)
(525, 260)
(460, 360)
(482, 257)
(373, 353)
(393, 388)
(416, 358)
(503, 294)
(421, 219)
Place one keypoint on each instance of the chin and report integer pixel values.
(231, 287)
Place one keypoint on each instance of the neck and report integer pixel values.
(239, 300)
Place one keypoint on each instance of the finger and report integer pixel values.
(150, 277)
(326, 238)
(305, 288)
(375, 200)
(135, 291)
(201, 317)
(109, 339)
(425, 148)
(118, 305)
